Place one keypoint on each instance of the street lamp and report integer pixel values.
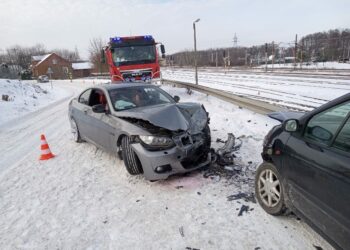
(195, 50)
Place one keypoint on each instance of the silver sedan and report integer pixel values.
(154, 134)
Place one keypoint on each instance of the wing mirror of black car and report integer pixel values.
(99, 108)
(321, 133)
(176, 98)
(291, 125)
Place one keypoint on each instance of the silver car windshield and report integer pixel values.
(141, 96)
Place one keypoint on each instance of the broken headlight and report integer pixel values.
(157, 141)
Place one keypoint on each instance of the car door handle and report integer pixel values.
(314, 147)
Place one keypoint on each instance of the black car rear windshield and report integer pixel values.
(140, 96)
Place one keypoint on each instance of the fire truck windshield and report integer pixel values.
(134, 55)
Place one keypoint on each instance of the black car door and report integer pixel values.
(318, 172)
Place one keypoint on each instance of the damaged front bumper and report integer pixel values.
(158, 165)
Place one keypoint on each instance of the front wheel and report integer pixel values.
(269, 189)
(75, 131)
(131, 161)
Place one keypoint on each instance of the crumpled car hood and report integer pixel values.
(282, 116)
(189, 117)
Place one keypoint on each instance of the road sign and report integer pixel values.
(49, 71)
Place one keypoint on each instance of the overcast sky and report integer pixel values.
(70, 23)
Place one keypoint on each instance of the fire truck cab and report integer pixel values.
(132, 59)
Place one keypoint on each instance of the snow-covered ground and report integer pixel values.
(84, 198)
(291, 92)
(317, 65)
(26, 96)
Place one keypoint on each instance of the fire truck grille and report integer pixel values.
(137, 75)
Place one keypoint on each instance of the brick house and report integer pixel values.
(82, 69)
(61, 68)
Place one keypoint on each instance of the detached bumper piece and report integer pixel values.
(189, 153)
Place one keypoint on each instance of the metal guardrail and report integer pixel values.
(253, 105)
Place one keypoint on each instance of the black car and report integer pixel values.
(306, 169)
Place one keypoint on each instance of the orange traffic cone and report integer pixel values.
(45, 149)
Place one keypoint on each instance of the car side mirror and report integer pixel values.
(291, 125)
(176, 98)
(99, 108)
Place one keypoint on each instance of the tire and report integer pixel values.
(269, 189)
(206, 131)
(75, 131)
(131, 161)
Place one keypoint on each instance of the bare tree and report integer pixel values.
(95, 49)
(69, 55)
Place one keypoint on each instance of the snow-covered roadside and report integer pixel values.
(84, 198)
(26, 96)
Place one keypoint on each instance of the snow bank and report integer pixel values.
(25, 97)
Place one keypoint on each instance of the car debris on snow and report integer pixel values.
(243, 209)
(181, 230)
(246, 197)
(223, 165)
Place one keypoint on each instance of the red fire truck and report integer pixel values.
(132, 59)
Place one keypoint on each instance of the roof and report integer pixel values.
(40, 58)
(82, 65)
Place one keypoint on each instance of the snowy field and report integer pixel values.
(84, 198)
(317, 65)
(290, 92)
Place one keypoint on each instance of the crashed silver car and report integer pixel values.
(154, 134)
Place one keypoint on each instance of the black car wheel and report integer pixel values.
(75, 131)
(269, 190)
(131, 161)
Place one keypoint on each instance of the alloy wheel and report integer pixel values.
(269, 188)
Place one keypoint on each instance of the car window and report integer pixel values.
(98, 97)
(84, 97)
(140, 96)
(323, 126)
(342, 141)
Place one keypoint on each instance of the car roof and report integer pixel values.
(112, 86)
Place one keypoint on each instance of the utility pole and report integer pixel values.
(195, 50)
(235, 41)
(273, 54)
(301, 55)
(216, 58)
(228, 58)
(265, 57)
(295, 51)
